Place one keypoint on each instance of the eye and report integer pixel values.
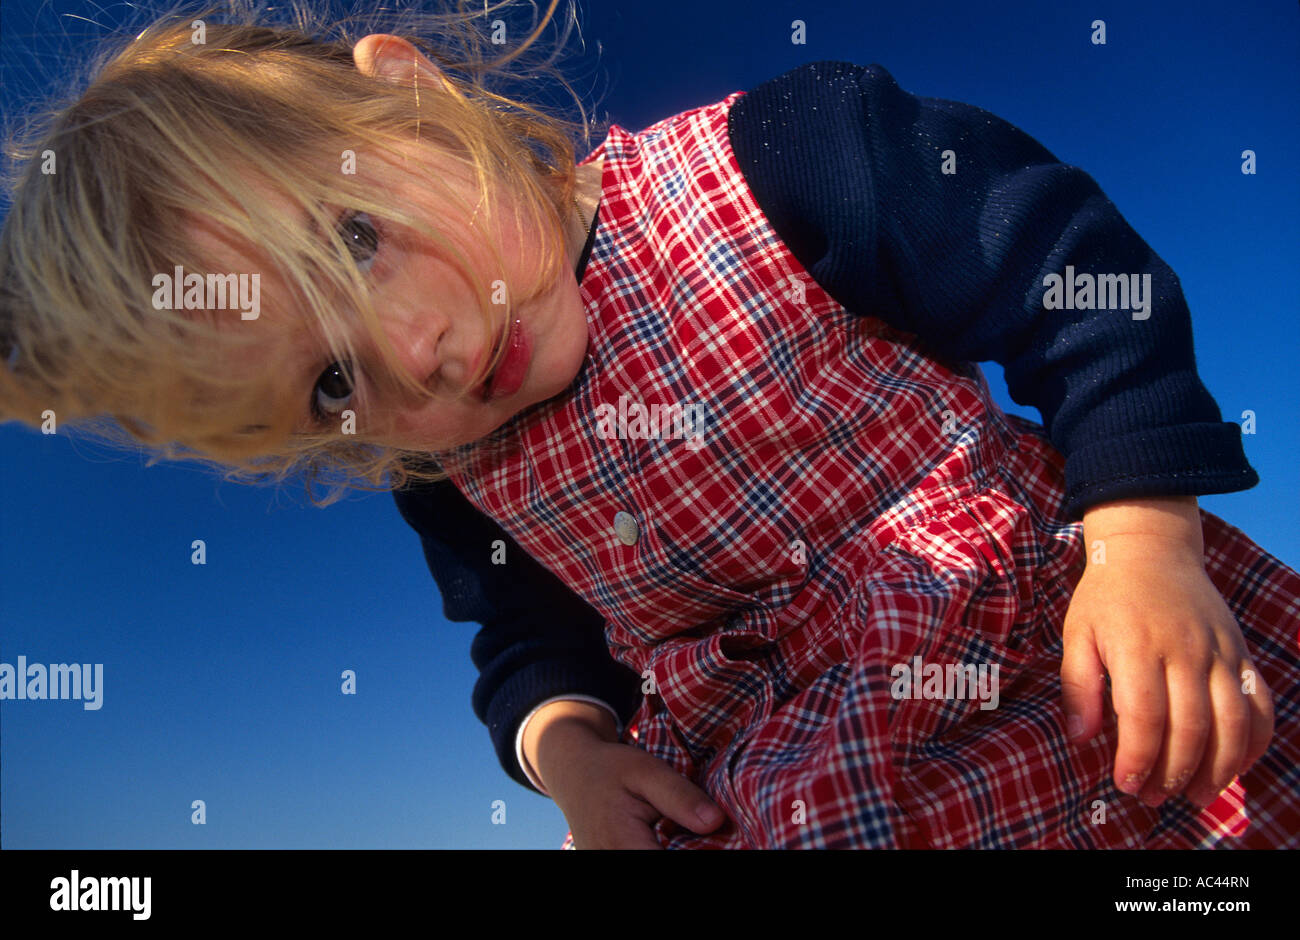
(334, 386)
(361, 237)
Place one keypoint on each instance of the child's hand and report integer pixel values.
(611, 794)
(1193, 711)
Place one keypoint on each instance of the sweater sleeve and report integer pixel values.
(538, 639)
(848, 168)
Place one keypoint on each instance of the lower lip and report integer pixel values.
(509, 376)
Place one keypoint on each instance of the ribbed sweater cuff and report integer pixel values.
(1187, 460)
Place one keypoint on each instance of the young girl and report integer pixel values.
(717, 402)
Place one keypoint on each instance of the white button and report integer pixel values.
(625, 528)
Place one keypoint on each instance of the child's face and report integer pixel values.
(431, 316)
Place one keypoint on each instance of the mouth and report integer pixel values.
(509, 373)
(482, 390)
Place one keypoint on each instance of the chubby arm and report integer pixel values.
(611, 794)
(538, 639)
(850, 170)
(947, 222)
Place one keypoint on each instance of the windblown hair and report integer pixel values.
(105, 184)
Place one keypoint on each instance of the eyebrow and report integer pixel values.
(309, 223)
(315, 365)
(308, 378)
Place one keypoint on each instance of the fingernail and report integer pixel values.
(1173, 783)
(708, 814)
(1074, 726)
(1133, 783)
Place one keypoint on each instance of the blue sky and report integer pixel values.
(222, 681)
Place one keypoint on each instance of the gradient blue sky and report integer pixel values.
(222, 681)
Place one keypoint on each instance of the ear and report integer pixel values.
(394, 59)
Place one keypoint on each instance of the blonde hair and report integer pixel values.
(154, 141)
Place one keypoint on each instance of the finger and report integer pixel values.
(1083, 686)
(627, 823)
(1259, 699)
(634, 834)
(1225, 747)
(1190, 720)
(1151, 794)
(674, 796)
(1138, 693)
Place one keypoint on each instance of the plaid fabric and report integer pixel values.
(856, 508)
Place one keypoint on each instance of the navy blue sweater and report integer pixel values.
(847, 168)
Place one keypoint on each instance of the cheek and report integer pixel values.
(428, 430)
(523, 252)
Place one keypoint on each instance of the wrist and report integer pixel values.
(1164, 525)
(558, 728)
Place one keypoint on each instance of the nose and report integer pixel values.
(415, 337)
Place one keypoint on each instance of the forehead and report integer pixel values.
(223, 251)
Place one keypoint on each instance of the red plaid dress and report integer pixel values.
(856, 508)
